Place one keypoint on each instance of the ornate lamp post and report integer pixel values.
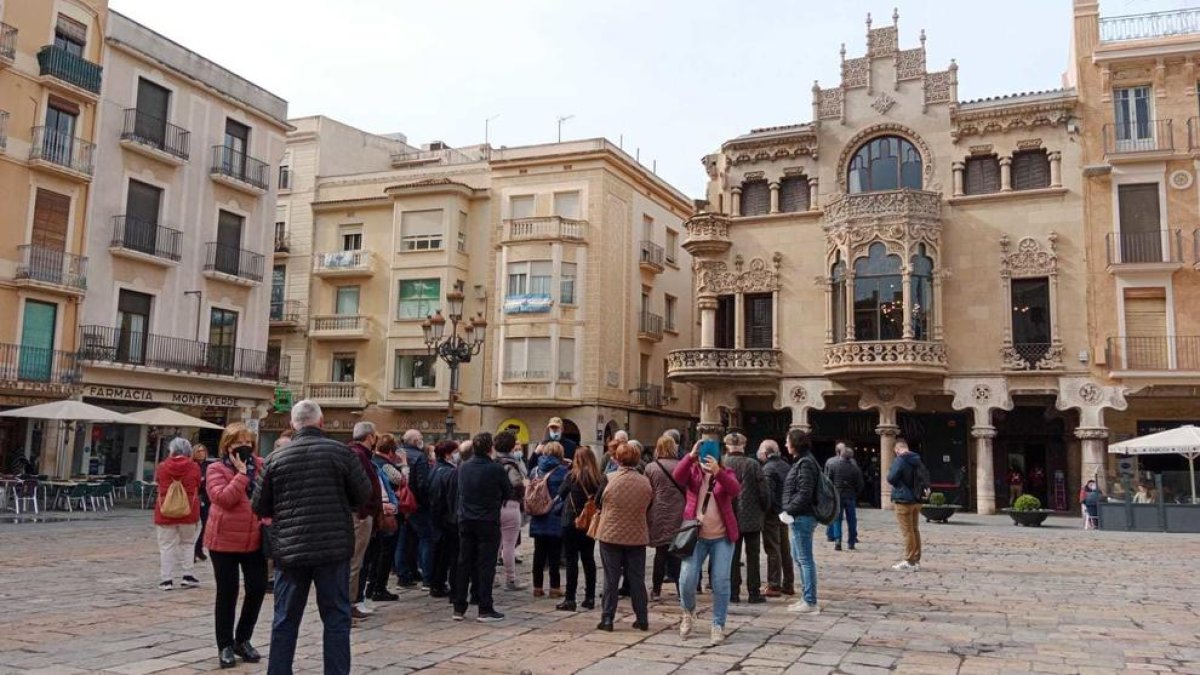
(452, 348)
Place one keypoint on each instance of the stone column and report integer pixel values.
(906, 322)
(1006, 174)
(707, 304)
(813, 192)
(1093, 441)
(739, 327)
(735, 202)
(985, 469)
(1055, 169)
(887, 452)
(774, 196)
(958, 168)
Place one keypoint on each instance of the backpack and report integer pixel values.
(538, 501)
(175, 503)
(921, 484)
(826, 504)
(583, 521)
(515, 477)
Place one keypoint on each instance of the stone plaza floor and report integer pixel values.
(80, 596)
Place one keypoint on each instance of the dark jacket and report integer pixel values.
(483, 487)
(374, 505)
(310, 488)
(443, 493)
(568, 446)
(799, 490)
(776, 470)
(902, 477)
(418, 475)
(575, 495)
(845, 476)
(549, 524)
(755, 498)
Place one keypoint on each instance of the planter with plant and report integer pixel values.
(1027, 510)
(937, 510)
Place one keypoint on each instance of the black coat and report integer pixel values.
(419, 472)
(483, 487)
(443, 493)
(845, 476)
(799, 490)
(311, 488)
(755, 498)
(776, 470)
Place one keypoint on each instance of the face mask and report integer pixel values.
(517, 454)
(555, 435)
(244, 453)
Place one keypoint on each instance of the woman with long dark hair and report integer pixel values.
(583, 483)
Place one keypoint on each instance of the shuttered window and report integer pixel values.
(51, 213)
(421, 230)
(1030, 170)
(981, 176)
(521, 207)
(566, 204)
(793, 194)
(566, 359)
(758, 319)
(1146, 344)
(756, 198)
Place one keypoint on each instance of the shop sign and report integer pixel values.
(156, 396)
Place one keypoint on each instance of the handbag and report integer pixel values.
(584, 520)
(594, 526)
(683, 544)
(407, 500)
(386, 523)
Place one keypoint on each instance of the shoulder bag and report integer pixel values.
(671, 478)
(683, 544)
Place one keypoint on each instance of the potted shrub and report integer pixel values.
(1027, 511)
(937, 510)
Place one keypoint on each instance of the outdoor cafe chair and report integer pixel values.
(26, 492)
(145, 491)
(105, 493)
(76, 493)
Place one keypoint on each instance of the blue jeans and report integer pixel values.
(333, 602)
(721, 553)
(849, 511)
(802, 553)
(420, 526)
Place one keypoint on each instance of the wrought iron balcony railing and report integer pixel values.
(101, 344)
(651, 255)
(54, 146)
(650, 326)
(1159, 246)
(1167, 353)
(52, 266)
(22, 363)
(8, 42)
(148, 130)
(138, 235)
(74, 70)
(286, 312)
(239, 166)
(1138, 137)
(233, 261)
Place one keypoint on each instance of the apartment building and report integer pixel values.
(51, 75)
(905, 264)
(181, 226)
(1137, 85)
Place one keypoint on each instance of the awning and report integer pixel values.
(165, 417)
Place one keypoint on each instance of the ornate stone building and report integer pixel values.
(905, 264)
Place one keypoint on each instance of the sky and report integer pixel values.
(668, 79)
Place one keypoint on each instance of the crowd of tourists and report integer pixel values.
(347, 519)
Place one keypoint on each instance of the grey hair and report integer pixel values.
(735, 440)
(180, 447)
(465, 447)
(363, 429)
(412, 438)
(636, 444)
(674, 434)
(847, 452)
(770, 447)
(620, 436)
(306, 413)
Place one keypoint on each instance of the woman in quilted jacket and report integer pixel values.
(177, 533)
(623, 533)
(233, 539)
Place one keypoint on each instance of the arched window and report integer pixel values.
(920, 294)
(878, 296)
(837, 299)
(885, 163)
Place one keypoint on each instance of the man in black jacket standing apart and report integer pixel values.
(781, 577)
(311, 488)
(483, 487)
(799, 494)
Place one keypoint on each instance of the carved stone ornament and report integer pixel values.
(901, 221)
(883, 103)
(1030, 259)
(1089, 398)
(856, 73)
(799, 395)
(883, 41)
(1016, 116)
(1032, 357)
(939, 87)
(886, 353)
(714, 276)
(1181, 179)
(982, 393)
(910, 64)
(753, 175)
(830, 103)
(794, 144)
(1029, 144)
(982, 149)
(887, 129)
(1090, 393)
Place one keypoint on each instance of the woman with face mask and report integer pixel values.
(233, 540)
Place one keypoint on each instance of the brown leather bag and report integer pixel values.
(583, 521)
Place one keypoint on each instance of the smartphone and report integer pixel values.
(709, 448)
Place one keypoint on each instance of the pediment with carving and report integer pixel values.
(761, 276)
(1030, 258)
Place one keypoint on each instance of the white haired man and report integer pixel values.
(848, 479)
(753, 503)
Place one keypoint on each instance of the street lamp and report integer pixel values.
(450, 347)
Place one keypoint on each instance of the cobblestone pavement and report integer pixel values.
(80, 596)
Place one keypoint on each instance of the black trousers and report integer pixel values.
(203, 524)
(752, 542)
(225, 572)
(377, 563)
(666, 567)
(478, 544)
(445, 558)
(547, 552)
(629, 562)
(780, 573)
(580, 549)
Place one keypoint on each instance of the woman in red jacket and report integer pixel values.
(177, 535)
(233, 540)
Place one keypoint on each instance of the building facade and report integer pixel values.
(905, 264)
(1137, 86)
(51, 75)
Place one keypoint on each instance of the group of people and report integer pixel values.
(344, 518)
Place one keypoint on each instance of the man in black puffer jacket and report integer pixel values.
(311, 488)
(799, 494)
(848, 479)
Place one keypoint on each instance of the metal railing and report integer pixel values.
(62, 149)
(52, 266)
(138, 235)
(652, 254)
(3, 130)
(335, 391)
(239, 166)
(343, 261)
(285, 178)
(1144, 136)
(74, 70)
(282, 242)
(526, 375)
(650, 325)
(102, 344)
(233, 261)
(1150, 25)
(286, 311)
(650, 395)
(340, 322)
(22, 363)
(1158, 353)
(8, 42)
(1144, 247)
(146, 129)
(547, 227)
(1032, 354)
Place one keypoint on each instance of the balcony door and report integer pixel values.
(58, 142)
(1147, 346)
(237, 142)
(37, 341)
(143, 203)
(153, 105)
(229, 242)
(278, 284)
(51, 215)
(1141, 229)
(347, 301)
(133, 326)
(726, 321)
(1135, 128)
(70, 36)
(222, 340)
(759, 321)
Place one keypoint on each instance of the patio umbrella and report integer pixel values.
(165, 417)
(1184, 440)
(70, 411)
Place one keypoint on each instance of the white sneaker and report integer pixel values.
(685, 624)
(916, 567)
(903, 566)
(795, 606)
(803, 607)
(718, 635)
(362, 607)
(368, 606)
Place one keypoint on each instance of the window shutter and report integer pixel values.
(1030, 170)
(521, 207)
(51, 212)
(71, 29)
(793, 194)
(566, 358)
(539, 356)
(514, 355)
(756, 198)
(421, 223)
(566, 204)
(1145, 342)
(982, 175)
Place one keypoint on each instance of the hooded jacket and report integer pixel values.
(549, 524)
(187, 472)
(902, 477)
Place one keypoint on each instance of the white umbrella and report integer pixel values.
(69, 410)
(1184, 440)
(165, 417)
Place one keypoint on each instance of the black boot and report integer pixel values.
(566, 606)
(228, 660)
(247, 651)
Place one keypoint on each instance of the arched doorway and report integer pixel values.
(517, 427)
(609, 429)
(571, 431)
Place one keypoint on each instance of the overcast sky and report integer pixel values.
(671, 79)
